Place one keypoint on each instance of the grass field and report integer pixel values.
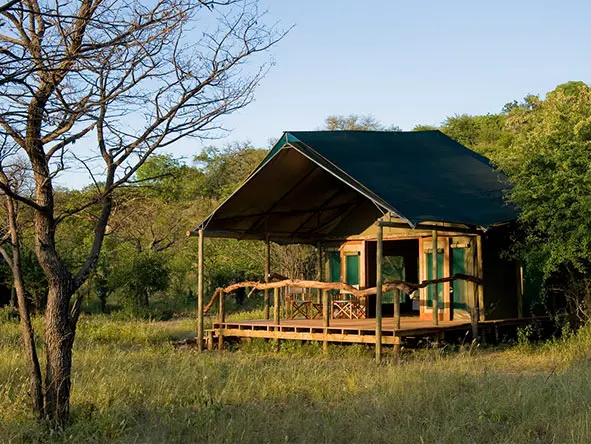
(131, 386)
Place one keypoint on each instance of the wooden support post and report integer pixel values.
(397, 341)
(320, 274)
(276, 318)
(200, 286)
(325, 318)
(474, 291)
(320, 257)
(479, 264)
(435, 276)
(276, 306)
(397, 347)
(396, 309)
(267, 275)
(222, 319)
(379, 281)
(519, 290)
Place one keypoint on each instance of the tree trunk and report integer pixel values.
(59, 339)
(28, 334)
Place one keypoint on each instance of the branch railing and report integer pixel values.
(404, 286)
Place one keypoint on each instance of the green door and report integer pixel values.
(334, 264)
(430, 288)
(352, 269)
(458, 265)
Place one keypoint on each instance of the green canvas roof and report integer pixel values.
(319, 184)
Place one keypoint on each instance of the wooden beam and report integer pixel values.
(306, 336)
(407, 287)
(519, 276)
(379, 282)
(397, 348)
(267, 275)
(480, 305)
(435, 265)
(430, 227)
(276, 318)
(325, 318)
(397, 342)
(319, 251)
(276, 306)
(474, 299)
(222, 319)
(200, 287)
(319, 271)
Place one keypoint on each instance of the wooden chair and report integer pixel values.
(299, 304)
(349, 307)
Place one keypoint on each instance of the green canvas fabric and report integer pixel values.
(319, 184)
(421, 175)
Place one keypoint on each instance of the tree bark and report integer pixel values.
(59, 339)
(28, 334)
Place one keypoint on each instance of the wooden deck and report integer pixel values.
(340, 330)
(361, 331)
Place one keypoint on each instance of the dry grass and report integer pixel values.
(130, 386)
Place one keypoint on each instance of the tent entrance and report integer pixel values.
(401, 262)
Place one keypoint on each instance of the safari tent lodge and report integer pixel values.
(409, 229)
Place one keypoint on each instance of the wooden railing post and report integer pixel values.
(267, 275)
(479, 301)
(200, 286)
(480, 305)
(397, 341)
(276, 308)
(222, 319)
(325, 318)
(379, 281)
(519, 274)
(435, 276)
(276, 319)
(320, 273)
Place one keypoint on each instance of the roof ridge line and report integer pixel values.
(365, 190)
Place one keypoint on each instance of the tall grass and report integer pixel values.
(130, 386)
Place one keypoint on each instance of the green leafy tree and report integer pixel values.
(169, 178)
(140, 274)
(484, 134)
(549, 166)
(225, 168)
(356, 122)
(423, 127)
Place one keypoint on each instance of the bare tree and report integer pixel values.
(13, 174)
(100, 85)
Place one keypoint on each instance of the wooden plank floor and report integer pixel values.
(340, 330)
(352, 330)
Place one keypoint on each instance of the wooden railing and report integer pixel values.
(406, 287)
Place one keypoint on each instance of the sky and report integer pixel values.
(407, 62)
(412, 62)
